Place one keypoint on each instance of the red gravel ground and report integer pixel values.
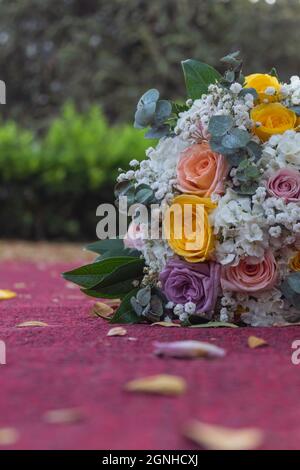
(72, 363)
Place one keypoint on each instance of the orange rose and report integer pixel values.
(201, 171)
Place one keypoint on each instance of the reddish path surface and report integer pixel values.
(71, 363)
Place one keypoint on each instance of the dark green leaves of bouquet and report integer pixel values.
(198, 76)
(153, 112)
(225, 138)
(291, 289)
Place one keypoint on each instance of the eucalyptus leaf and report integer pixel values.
(231, 59)
(162, 112)
(254, 150)
(198, 76)
(236, 139)
(144, 116)
(136, 306)
(151, 96)
(144, 195)
(219, 125)
(157, 132)
(143, 296)
(249, 91)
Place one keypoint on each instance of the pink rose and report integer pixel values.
(285, 183)
(201, 171)
(134, 237)
(250, 275)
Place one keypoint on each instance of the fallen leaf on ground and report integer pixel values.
(7, 294)
(19, 285)
(64, 416)
(188, 349)
(117, 331)
(214, 324)
(255, 342)
(162, 384)
(113, 302)
(215, 437)
(100, 309)
(165, 323)
(32, 323)
(8, 436)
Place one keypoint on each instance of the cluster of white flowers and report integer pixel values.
(291, 92)
(192, 124)
(281, 151)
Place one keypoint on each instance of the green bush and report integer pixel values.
(51, 186)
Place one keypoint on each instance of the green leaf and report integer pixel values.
(236, 139)
(109, 244)
(198, 76)
(214, 324)
(91, 274)
(125, 313)
(273, 72)
(219, 125)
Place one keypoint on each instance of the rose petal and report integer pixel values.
(188, 349)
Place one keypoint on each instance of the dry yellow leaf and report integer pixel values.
(8, 436)
(100, 309)
(165, 323)
(255, 342)
(7, 294)
(113, 302)
(63, 416)
(214, 437)
(34, 323)
(162, 384)
(117, 331)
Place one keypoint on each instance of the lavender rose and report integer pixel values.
(285, 183)
(184, 282)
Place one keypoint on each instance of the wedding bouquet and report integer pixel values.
(223, 189)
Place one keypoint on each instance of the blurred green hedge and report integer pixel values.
(51, 186)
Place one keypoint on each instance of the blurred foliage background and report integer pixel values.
(58, 161)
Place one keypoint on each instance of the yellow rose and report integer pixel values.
(261, 81)
(187, 228)
(294, 263)
(272, 118)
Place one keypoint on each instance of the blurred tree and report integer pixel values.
(110, 51)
